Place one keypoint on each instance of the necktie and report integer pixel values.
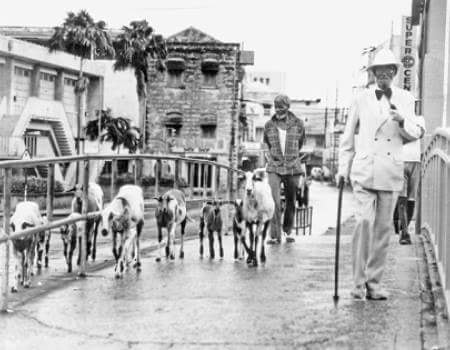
(380, 93)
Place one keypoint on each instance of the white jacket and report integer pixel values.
(376, 162)
(411, 150)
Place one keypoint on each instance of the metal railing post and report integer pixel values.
(50, 191)
(191, 180)
(176, 177)
(229, 185)
(135, 171)
(217, 180)
(82, 268)
(205, 180)
(6, 229)
(157, 171)
(113, 177)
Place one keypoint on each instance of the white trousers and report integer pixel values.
(374, 227)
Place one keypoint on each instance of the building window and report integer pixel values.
(175, 79)
(267, 109)
(255, 79)
(70, 82)
(208, 131)
(259, 134)
(173, 130)
(267, 81)
(22, 72)
(261, 80)
(47, 77)
(209, 79)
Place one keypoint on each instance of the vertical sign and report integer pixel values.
(408, 57)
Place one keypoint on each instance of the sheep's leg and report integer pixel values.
(255, 252)
(114, 249)
(137, 247)
(120, 265)
(201, 235)
(69, 256)
(94, 244)
(158, 259)
(211, 244)
(66, 253)
(27, 266)
(18, 267)
(236, 242)
(251, 238)
(79, 250)
(171, 239)
(47, 247)
(183, 229)
(219, 236)
(40, 249)
(263, 239)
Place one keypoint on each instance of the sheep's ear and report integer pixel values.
(158, 198)
(13, 227)
(25, 225)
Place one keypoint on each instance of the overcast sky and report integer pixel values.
(316, 42)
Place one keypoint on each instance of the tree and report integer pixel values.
(80, 35)
(118, 131)
(135, 46)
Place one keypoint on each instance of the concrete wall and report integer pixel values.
(433, 69)
(120, 92)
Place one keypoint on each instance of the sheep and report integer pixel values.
(125, 211)
(171, 211)
(211, 218)
(95, 203)
(26, 215)
(258, 208)
(69, 235)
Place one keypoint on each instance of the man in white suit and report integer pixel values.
(384, 116)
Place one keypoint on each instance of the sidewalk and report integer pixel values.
(222, 304)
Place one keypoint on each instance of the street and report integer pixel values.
(221, 304)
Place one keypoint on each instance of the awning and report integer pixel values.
(175, 64)
(210, 65)
(208, 119)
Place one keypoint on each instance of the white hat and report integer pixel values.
(384, 57)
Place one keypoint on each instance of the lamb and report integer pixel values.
(171, 211)
(211, 218)
(124, 217)
(26, 215)
(258, 209)
(95, 203)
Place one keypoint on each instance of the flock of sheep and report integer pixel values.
(123, 218)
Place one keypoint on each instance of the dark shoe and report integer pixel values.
(405, 238)
(376, 293)
(289, 239)
(358, 292)
(273, 241)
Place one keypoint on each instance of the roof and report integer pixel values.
(192, 34)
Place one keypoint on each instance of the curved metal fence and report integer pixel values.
(434, 214)
(7, 166)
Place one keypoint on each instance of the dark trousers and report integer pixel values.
(290, 183)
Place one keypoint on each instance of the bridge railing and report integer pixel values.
(434, 201)
(7, 166)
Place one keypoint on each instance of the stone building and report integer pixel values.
(193, 105)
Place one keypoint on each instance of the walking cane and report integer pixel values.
(338, 236)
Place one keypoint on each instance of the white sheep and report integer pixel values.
(26, 215)
(124, 217)
(258, 208)
(70, 234)
(95, 203)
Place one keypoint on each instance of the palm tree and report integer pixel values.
(80, 35)
(118, 131)
(135, 47)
